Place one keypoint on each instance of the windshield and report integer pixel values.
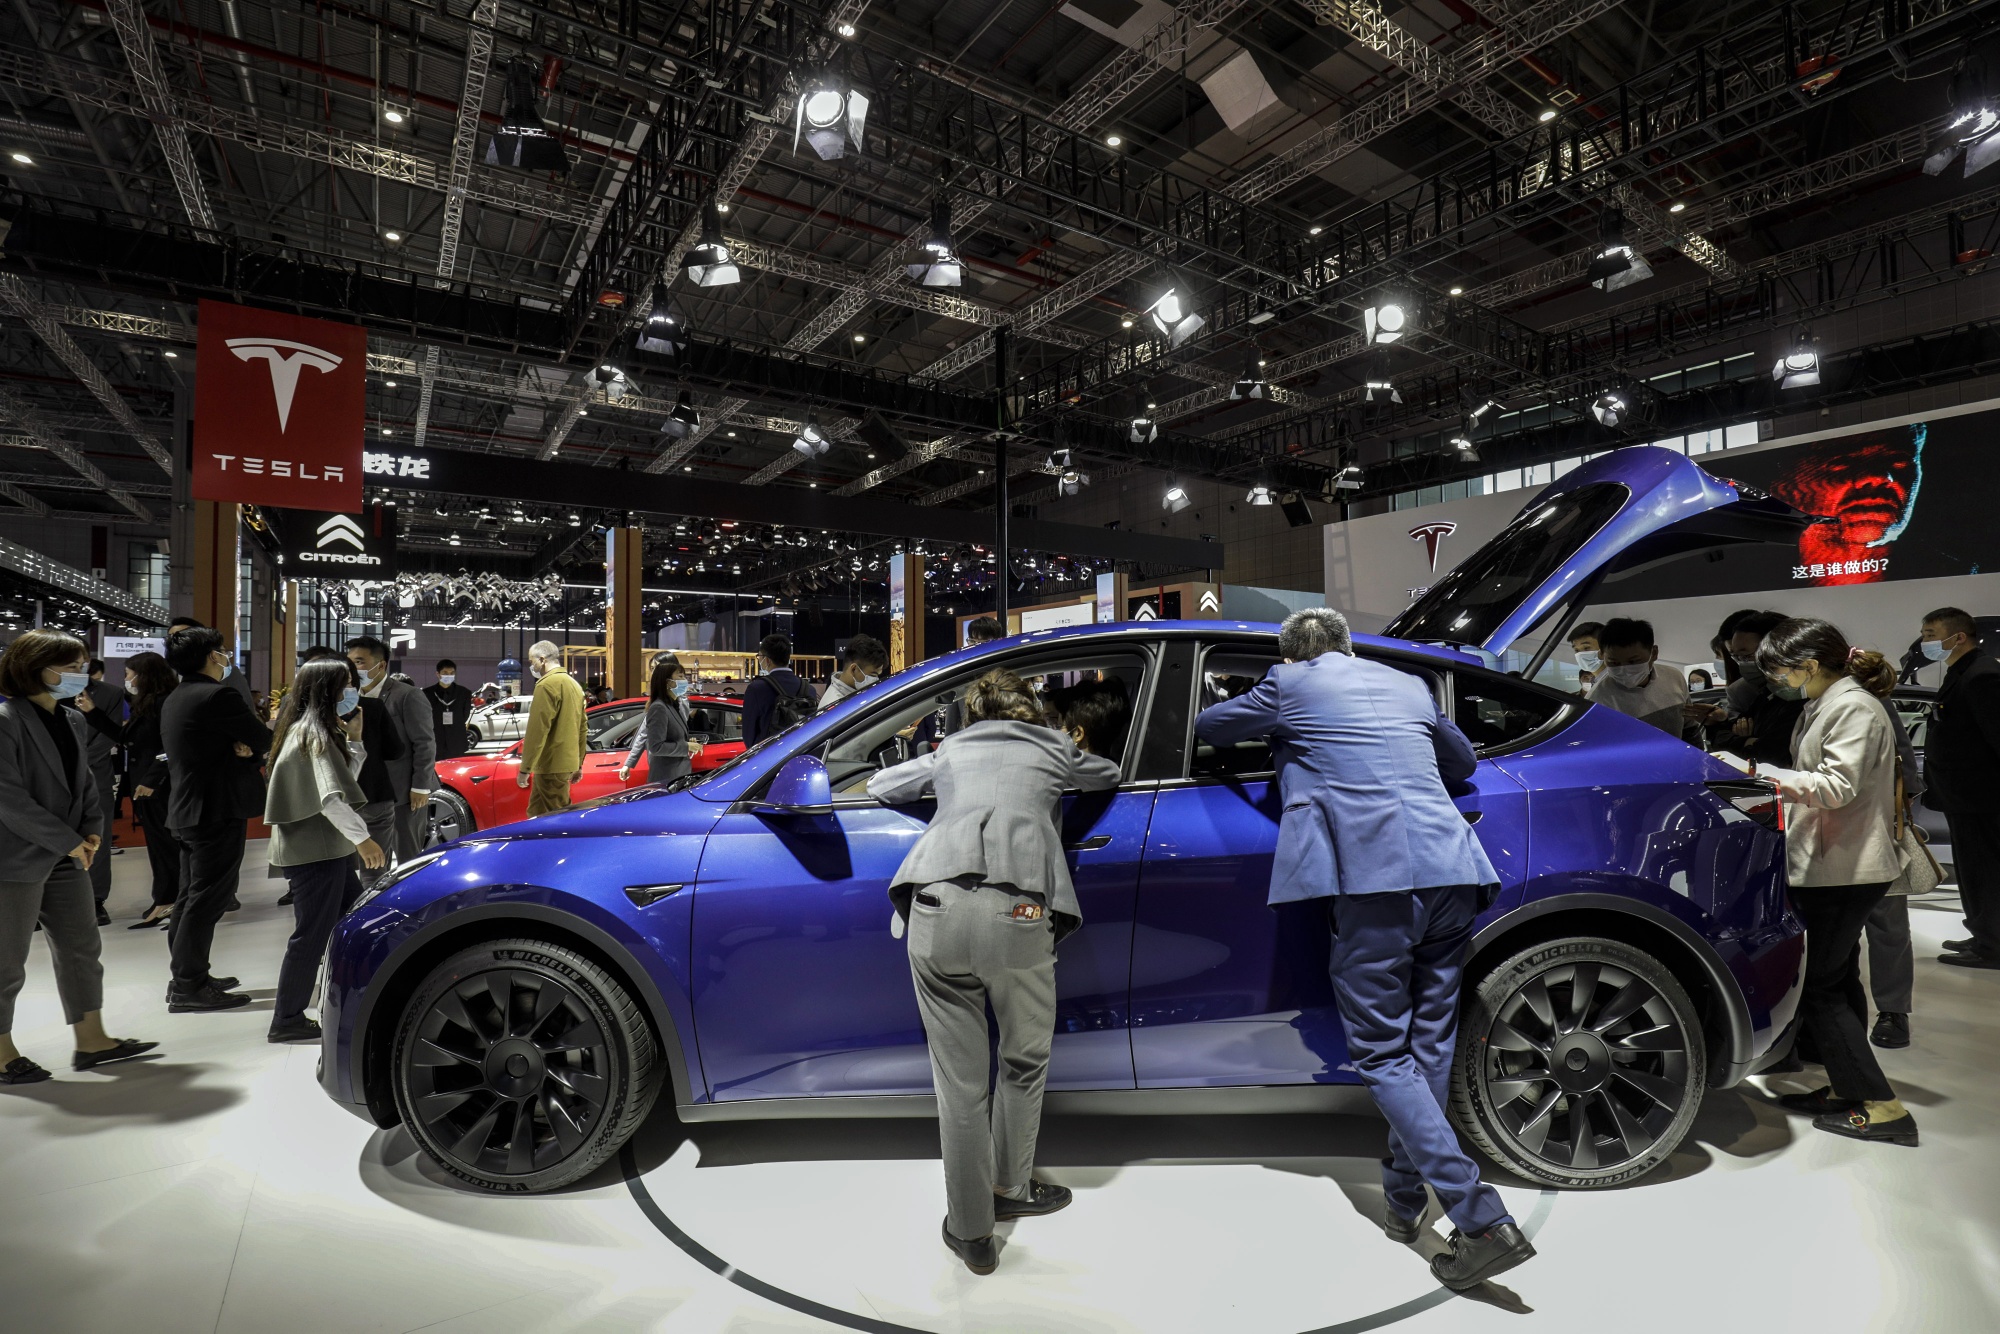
(1470, 603)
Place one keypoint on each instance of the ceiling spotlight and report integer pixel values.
(1314, 230)
(1171, 316)
(386, 384)
(937, 263)
(392, 236)
(388, 431)
(1616, 264)
(22, 159)
(171, 355)
(1348, 478)
(1611, 408)
(663, 331)
(846, 30)
(1143, 430)
(830, 116)
(708, 262)
(524, 140)
(1176, 499)
(1479, 410)
(1548, 114)
(1678, 206)
(395, 113)
(611, 381)
(684, 420)
(1800, 366)
(1125, 323)
(1251, 384)
(811, 440)
(1458, 291)
(1385, 321)
(1462, 442)
(1069, 479)
(1380, 391)
(1974, 118)
(1260, 494)
(1112, 141)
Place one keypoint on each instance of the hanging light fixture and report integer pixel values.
(1386, 321)
(1172, 312)
(684, 420)
(1611, 408)
(1616, 264)
(1260, 493)
(1348, 478)
(708, 262)
(1176, 499)
(1799, 367)
(663, 331)
(1251, 384)
(1143, 430)
(610, 381)
(1380, 391)
(811, 440)
(1461, 441)
(1479, 410)
(1069, 478)
(1973, 124)
(937, 263)
(830, 116)
(524, 140)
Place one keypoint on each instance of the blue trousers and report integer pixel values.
(1397, 960)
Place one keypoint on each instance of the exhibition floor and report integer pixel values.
(216, 1189)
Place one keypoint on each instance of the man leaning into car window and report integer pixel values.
(1363, 759)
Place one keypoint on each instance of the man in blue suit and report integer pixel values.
(1364, 760)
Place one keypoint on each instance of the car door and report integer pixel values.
(801, 986)
(1225, 989)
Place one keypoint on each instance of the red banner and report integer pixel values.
(280, 409)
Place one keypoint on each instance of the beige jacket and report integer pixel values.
(1840, 802)
(555, 741)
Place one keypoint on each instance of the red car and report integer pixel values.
(479, 792)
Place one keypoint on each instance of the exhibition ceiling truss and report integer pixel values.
(1153, 242)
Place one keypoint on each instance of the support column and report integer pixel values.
(1003, 506)
(624, 627)
(214, 562)
(284, 639)
(906, 610)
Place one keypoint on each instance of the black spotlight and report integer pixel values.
(524, 140)
(664, 331)
(708, 262)
(685, 418)
(1297, 513)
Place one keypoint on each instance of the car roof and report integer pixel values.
(1442, 654)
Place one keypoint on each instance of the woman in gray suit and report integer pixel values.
(663, 738)
(987, 895)
(48, 801)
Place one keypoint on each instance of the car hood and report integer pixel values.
(1615, 513)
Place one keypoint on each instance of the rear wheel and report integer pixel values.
(1580, 1063)
(447, 816)
(523, 1066)
(472, 737)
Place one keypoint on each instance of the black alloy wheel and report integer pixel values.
(472, 737)
(447, 816)
(1580, 1063)
(523, 1066)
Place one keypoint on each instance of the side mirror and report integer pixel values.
(800, 787)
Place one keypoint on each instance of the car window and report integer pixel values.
(712, 723)
(601, 723)
(1916, 716)
(1098, 692)
(1494, 712)
(1227, 672)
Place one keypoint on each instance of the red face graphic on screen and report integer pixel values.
(1866, 486)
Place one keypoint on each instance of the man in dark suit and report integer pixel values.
(451, 705)
(775, 680)
(1962, 777)
(413, 770)
(103, 755)
(214, 746)
(1363, 762)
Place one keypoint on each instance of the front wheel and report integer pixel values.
(1580, 1063)
(472, 737)
(447, 816)
(523, 1066)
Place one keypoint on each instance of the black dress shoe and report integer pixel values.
(124, 1051)
(1403, 1231)
(302, 1030)
(1960, 946)
(1816, 1103)
(1472, 1260)
(233, 904)
(103, 917)
(1970, 960)
(1043, 1198)
(1891, 1030)
(225, 983)
(285, 899)
(144, 922)
(204, 998)
(1856, 1125)
(21, 1070)
(981, 1256)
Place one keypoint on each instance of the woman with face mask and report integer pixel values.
(663, 738)
(1840, 846)
(314, 811)
(148, 681)
(48, 805)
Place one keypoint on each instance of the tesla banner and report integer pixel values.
(280, 409)
(334, 545)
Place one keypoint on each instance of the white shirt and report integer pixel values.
(1657, 702)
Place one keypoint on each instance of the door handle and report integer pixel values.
(1091, 844)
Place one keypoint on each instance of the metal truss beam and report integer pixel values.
(25, 501)
(128, 20)
(18, 298)
(45, 436)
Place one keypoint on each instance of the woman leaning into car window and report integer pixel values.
(1840, 822)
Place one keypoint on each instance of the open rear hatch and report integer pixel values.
(1620, 513)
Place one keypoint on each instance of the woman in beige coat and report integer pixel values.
(1840, 840)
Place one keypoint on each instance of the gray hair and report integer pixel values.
(546, 650)
(1316, 630)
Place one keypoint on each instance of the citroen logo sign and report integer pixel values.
(340, 528)
(286, 359)
(1430, 534)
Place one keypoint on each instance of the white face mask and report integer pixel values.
(131, 687)
(446, 678)
(1587, 660)
(1631, 673)
(866, 679)
(536, 667)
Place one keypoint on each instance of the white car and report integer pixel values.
(505, 721)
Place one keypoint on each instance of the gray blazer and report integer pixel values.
(999, 789)
(43, 812)
(410, 714)
(663, 739)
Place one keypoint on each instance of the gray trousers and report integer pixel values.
(380, 817)
(107, 798)
(62, 903)
(411, 828)
(1892, 967)
(967, 951)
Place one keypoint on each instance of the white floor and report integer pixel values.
(216, 1189)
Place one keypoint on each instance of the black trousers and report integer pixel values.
(212, 860)
(321, 892)
(163, 850)
(1975, 861)
(106, 774)
(1834, 1008)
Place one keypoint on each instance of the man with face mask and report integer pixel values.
(1758, 716)
(867, 663)
(1589, 656)
(552, 751)
(1961, 764)
(1631, 679)
(451, 705)
(414, 771)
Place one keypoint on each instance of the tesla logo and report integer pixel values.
(286, 359)
(341, 528)
(252, 467)
(1430, 534)
(1210, 602)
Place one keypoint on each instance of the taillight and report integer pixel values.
(1755, 797)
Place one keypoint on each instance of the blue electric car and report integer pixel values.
(520, 998)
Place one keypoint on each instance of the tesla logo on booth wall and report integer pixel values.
(1430, 534)
(280, 409)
